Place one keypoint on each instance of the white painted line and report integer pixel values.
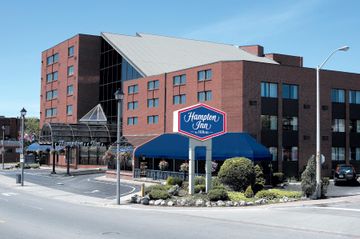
(2, 221)
(9, 194)
(336, 208)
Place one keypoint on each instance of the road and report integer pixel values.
(81, 184)
(29, 213)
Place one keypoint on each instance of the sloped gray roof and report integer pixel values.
(153, 54)
(95, 116)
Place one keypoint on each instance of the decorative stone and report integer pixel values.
(133, 198)
(174, 190)
(145, 201)
(199, 203)
(235, 204)
(208, 204)
(170, 203)
(158, 202)
(151, 202)
(249, 203)
(163, 203)
(213, 204)
(242, 203)
(220, 203)
(183, 202)
(229, 203)
(138, 200)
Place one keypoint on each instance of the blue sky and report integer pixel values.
(311, 29)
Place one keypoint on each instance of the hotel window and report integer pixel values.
(153, 103)
(49, 60)
(55, 76)
(50, 95)
(290, 91)
(338, 125)
(179, 80)
(69, 109)
(204, 96)
(204, 75)
(179, 99)
(56, 57)
(355, 126)
(354, 97)
(153, 85)
(132, 89)
(132, 120)
(49, 77)
(153, 119)
(132, 105)
(269, 90)
(71, 51)
(274, 153)
(50, 112)
(290, 153)
(70, 70)
(337, 96)
(269, 122)
(354, 154)
(290, 123)
(337, 154)
(70, 89)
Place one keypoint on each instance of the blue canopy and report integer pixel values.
(176, 146)
(42, 147)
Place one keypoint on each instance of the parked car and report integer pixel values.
(344, 173)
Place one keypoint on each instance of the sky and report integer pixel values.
(308, 28)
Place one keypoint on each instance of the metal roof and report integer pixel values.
(153, 54)
(95, 116)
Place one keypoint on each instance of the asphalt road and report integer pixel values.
(28, 214)
(81, 184)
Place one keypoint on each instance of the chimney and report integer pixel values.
(254, 49)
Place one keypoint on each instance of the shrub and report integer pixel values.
(237, 196)
(308, 178)
(277, 193)
(249, 193)
(163, 165)
(237, 173)
(277, 178)
(174, 181)
(199, 188)
(157, 187)
(158, 194)
(259, 179)
(199, 180)
(324, 186)
(215, 181)
(268, 194)
(217, 194)
(184, 167)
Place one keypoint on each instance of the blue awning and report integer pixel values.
(42, 147)
(176, 146)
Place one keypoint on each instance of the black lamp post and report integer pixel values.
(22, 158)
(119, 96)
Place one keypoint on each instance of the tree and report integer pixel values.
(308, 178)
(32, 127)
(259, 179)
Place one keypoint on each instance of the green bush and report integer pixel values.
(158, 194)
(277, 178)
(277, 193)
(308, 178)
(174, 181)
(199, 180)
(199, 188)
(259, 179)
(237, 196)
(249, 193)
(324, 186)
(217, 194)
(157, 187)
(237, 173)
(215, 181)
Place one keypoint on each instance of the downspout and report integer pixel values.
(165, 102)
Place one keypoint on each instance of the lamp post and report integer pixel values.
(119, 96)
(318, 153)
(22, 158)
(3, 146)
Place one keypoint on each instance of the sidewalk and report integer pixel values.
(78, 171)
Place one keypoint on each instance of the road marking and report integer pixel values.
(2, 221)
(9, 194)
(336, 208)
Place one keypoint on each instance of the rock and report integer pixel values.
(220, 203)
(134, 198)
(170, 203)
(199, 203)
(229, 203)
(163, 203)
(145, 201)
(151, 202)
(174, 190)
(138, 200)
(236, 204)
(183, 202)
(213, 204)
(285, 199)
(249, 203)
(158, 202)
(208, 204)
(242, 203)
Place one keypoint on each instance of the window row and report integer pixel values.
(338, 154)
(50, 77)
(270, 122)
(151, 119)
(52, 59)
(270, 90)
(338, 125)
(52, 94)
(338, 96)
(288, 153)
(52, 112)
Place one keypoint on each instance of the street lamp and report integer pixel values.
(3, 146)
(22, 158)
(119, 96)
(318, 153)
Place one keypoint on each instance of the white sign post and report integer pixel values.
(200, 123)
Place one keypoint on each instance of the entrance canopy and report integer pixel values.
(176, 146)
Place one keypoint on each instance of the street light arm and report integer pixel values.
(344, 48)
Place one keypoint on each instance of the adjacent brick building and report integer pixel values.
(270, 96)
(11, 130)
